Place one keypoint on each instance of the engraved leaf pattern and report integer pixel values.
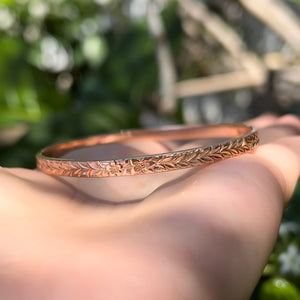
(157, 163)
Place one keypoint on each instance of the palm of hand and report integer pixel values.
(200, 232)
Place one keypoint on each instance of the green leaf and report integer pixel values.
(94, 49)
(278, 288)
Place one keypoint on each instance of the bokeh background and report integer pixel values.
(73, 68)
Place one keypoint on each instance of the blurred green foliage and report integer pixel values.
(73, 68)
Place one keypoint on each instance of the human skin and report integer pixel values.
(201, 233)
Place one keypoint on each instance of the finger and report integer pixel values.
(263, 120)
(289, 119)
(283, 127)
(282, 157)
(269, 127)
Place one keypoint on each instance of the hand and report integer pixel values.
(200, 233)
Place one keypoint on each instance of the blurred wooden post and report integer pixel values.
(167, 73)
(253, 71)
(279, 17)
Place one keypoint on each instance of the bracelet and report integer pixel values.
(239, 139)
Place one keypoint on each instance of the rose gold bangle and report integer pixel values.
(239, 139)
